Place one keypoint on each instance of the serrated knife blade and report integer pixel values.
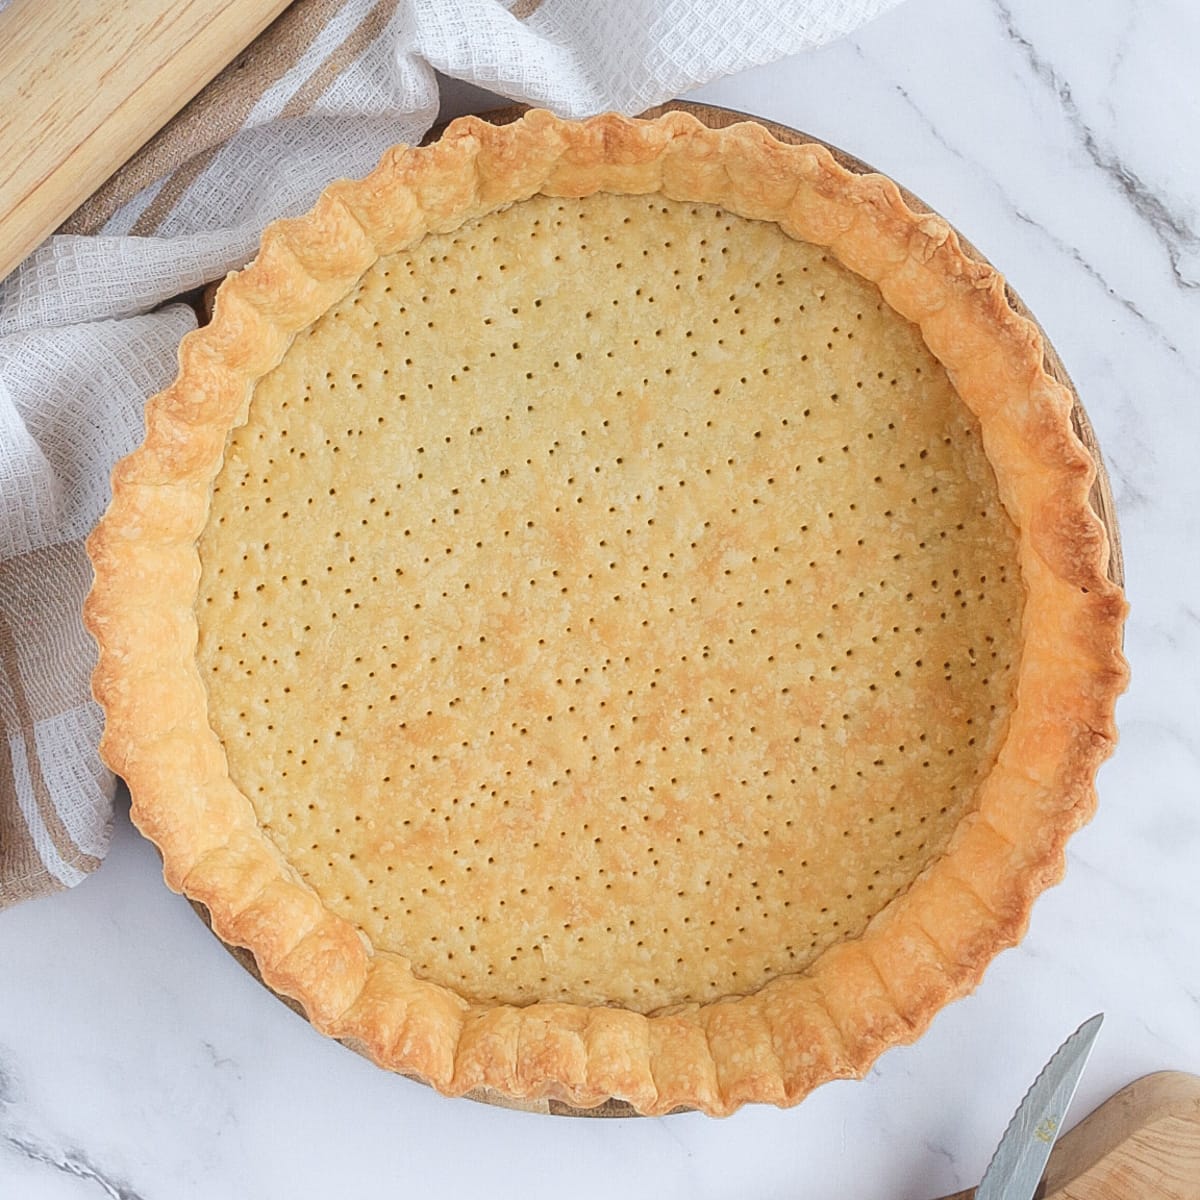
(1016, 1168)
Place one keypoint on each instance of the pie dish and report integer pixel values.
(611, 609)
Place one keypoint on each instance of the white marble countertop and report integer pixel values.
(137, 1060)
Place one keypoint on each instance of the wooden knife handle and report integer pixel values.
(82, 86)
(1142, 1144)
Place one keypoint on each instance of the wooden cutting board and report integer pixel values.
(1142, 1144)
(83, 86)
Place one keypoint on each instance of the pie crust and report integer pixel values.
(725, 993)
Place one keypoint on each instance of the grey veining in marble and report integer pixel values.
(42, 1152)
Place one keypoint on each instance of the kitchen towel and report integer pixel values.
(90, 322)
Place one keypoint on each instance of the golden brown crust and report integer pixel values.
(698, 628)
(927, 947)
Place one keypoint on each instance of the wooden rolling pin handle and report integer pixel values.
(1142, 1144)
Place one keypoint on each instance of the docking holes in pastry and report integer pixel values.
(594, 609)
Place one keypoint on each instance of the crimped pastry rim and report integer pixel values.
(927, 947)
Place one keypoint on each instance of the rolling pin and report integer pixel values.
(85, 87)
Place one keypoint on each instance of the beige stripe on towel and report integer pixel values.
(185, 145)
(10, 666)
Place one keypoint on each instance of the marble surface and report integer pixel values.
(137, 1060)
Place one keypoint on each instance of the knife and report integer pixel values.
(1016, 1168)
